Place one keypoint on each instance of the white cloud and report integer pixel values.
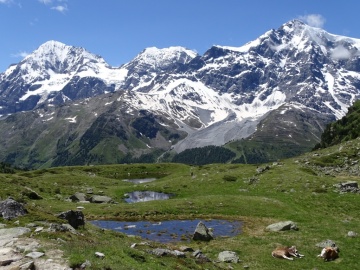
(60, 8)
(5, 1)
(21, 54)
(340, 53)
(315, 20)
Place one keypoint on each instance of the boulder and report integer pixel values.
(54, 227)
(282, 226)
(202, 233)
(100, 199)
(10, 209)
(200, 257)
(77, 197)
(326, 243)
(228, 256)
(347, 187)
(75, 218)
(31, 194)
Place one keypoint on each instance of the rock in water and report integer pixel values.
(202, 233)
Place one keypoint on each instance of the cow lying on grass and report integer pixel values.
(286, 253)
(329, 253)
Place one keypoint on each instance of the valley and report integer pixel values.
(299, 189)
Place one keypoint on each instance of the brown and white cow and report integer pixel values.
(329, 253)
(286, 253)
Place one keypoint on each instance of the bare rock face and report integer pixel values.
(10, 209)
(202, 233)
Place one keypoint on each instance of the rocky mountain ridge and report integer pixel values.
(283, 87)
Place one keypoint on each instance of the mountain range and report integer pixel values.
(269, 99)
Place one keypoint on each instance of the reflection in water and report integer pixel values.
(140, 181)
(171, 230)
(145, 196)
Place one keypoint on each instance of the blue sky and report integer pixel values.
(120, 29)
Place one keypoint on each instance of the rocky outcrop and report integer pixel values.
(14, 245)
(10, 209)
(347, 187)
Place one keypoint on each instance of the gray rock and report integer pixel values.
(8, 256)
(178, 254)
(31, 194)
(7, 235)
(200, 257)
(100, 255)
(159, 252)
(10, 209)
(75, 218)
(86, 264)
(282, 226)
(61, 228)
(78, 197)
(326, 243)
(186, 249)
(352, 234)
(100, 199)
(228, 256)
(202, 233)
(35, 254)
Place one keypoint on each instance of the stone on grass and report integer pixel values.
(78, 196)
(10, 209)
(100, 255)
(282, 226)
(100, 199)
(75, 218)
(31, 194)
(228, 256)
(326, 243)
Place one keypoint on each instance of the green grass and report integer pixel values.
(294, 189)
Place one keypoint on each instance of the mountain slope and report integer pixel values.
(51, 72)
(345, 129)
(278, 90)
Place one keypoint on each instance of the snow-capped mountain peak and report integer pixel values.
(52, 67)
(153, 58)
(59, 58)
(216, 97)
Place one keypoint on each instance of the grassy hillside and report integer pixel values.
(345, 129)
(298, 189)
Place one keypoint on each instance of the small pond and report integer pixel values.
(171, 230)
(145, 196)
(140, 180)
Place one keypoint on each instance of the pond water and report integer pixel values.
(145, 196)
(140, 180)
(171, 230)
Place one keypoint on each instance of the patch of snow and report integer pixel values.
(71, 119)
